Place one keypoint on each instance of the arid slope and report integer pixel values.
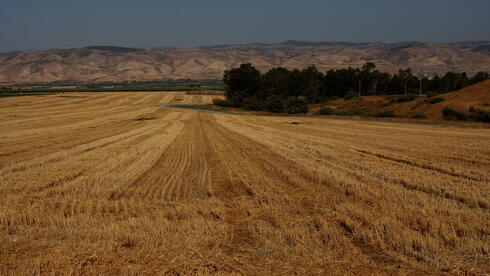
(108, 63)
(476, 96)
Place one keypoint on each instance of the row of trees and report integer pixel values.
(279, 88)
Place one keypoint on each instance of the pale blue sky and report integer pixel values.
(53, 23)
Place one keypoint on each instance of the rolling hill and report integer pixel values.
(111, 63)
(476, 96)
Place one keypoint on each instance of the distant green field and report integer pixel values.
(5, 95)
(162, 85)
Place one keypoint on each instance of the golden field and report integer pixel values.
(87, 188)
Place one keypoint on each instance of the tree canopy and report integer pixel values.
(282, 90)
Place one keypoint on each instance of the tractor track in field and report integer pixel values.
(108, 183)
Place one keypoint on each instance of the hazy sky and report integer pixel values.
(51, 24)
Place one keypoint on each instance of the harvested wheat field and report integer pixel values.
(114, 183)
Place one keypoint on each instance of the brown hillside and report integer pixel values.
(477, 95)
(109, 63)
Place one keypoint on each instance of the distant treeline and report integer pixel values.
(282, 90)
(73, 86)
(112, 89)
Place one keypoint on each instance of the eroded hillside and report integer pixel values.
(111, 63)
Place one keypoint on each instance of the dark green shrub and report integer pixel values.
(435, 100)
(351, 112)
(274, 104)
(326, 111)
(386, 114)
(385, 104)
(479, 115)
(431, 94)
(252, 103)
(418, 104)
(404, 99)
(451, 114)
(294, 105)
(474, 114)
(224, 103)
(350, 95)
(419, 116)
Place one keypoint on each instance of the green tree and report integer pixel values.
(479, 77)
(241, 83)
(296, 105)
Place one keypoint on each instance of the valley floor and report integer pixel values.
(110, 183)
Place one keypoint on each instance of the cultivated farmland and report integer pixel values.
(110, 183)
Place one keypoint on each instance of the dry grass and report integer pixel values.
(477, 96)
(86, 188)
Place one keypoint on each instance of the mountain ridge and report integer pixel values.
(115, 63)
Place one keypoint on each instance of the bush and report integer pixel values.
(225, 103)
(351, 112)
(479, 115)
(404, 99)
(296, 105)
(451, 114)
(326, 111)
(350, 95)
(417, 105)
(431, 94)
(386, 114)
(419, 116)
(435, 100)
(274, 104)
(474, 114)
(252, 103)
(386, 104)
